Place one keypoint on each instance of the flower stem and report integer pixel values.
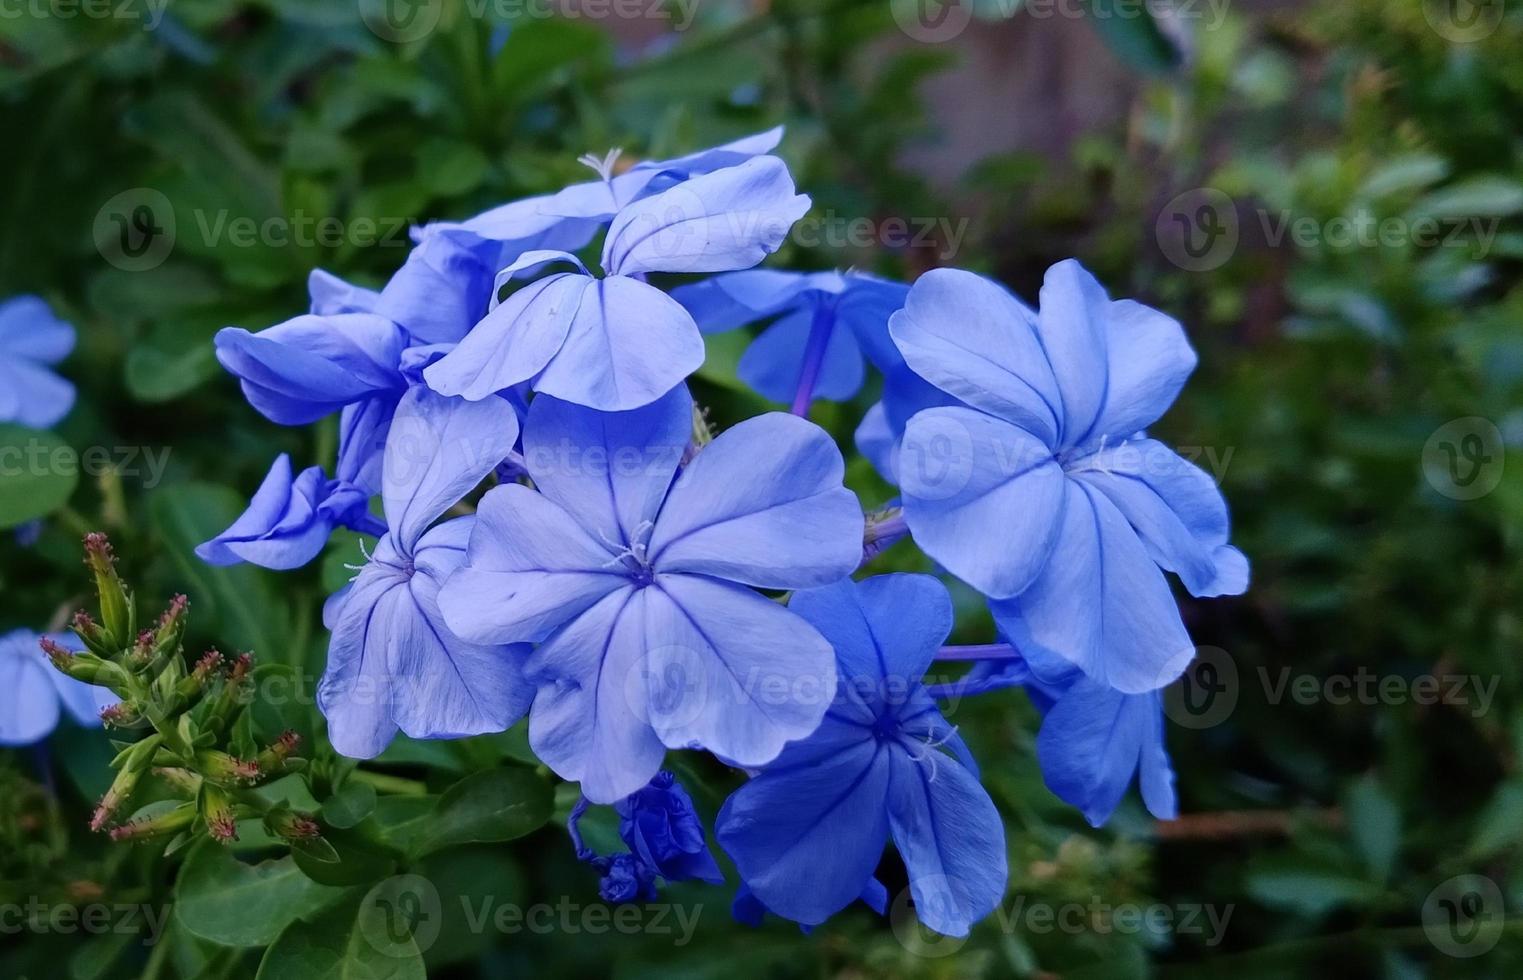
(814, 357)
(396, 785)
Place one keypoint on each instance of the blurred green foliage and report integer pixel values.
(1319, 826)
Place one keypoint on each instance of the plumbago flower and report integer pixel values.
(393, 663)
(32, 339)
(1040, 490)
(825, 321)
(34, 696)
(664, 836)
(615, 342)
(1093, 738)
(635, 575)
(807, 833)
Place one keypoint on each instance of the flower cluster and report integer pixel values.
(634, 584)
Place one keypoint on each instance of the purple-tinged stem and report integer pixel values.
(884, 528)
(814, 358)
(979, 651)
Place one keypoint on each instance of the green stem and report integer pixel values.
(396, 785)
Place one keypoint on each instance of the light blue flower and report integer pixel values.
(32, 339)
(825, 321)
(1093, 740)
(34, 696)
(807, 833)
(637, 581)
(1040, 490)
(614, 342)
(392, 661)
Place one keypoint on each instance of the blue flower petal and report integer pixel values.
(1091, 744)
(763, 504)
(29, 329)
(329, 294)
(588, 721)
(311, 366)
(806, 840)
(609, 470)
(885, 630)
(729, 219)
(774, 362)
(952, 840)
(1175, 508)
(443, 288)
(282, 527)
(531, 569)
(972, 339)
(982, 496)
(1071, 326)
(438, 449)
(1100, 602)
(32, 395)
(731, 671)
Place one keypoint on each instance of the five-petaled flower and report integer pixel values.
(638, 582)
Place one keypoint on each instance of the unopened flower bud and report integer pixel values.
(218, 811)
(222, 768)
(115, 605)
(162, 825)
(292, 825)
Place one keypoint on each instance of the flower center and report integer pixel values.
(633, 559)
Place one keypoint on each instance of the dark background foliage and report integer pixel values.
(1324, 809)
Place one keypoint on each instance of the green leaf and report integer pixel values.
(350, 805)
(1375, 824)
(496, 805)
(355, 941)
(1480, 197)
(1500, 825)
(451, 167)
(1138, 41)
(38, 473)
(228, 902)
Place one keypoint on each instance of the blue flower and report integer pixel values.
(1094, 739)
(614, 342)
(807, 833)
(32, 339)
(1040, 490)
(665, 840)
(634, 579)
(34, 695)
(290, 519)
(814, 349)
(663, 830)
(392, 662)
(568, 219)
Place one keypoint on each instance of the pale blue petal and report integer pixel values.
(729, 219)
(282, 527)
(951, 838)
(730, 670)
(628, 344)
(1175, 508)
(1100, 602)
(1091, 744)
(311, 366)
(763, 504)
(885, 629)
(972, 339)
(1071, 324)
(362, 431)
(1148, 362)
(439, 449)
(454, 688)
(531, 569)
(981, 496)
(32, 395)
(330, 294)
(513, 342)
(608, 470)
(356, 692)
(588, 721)
(774, 363)
(807, 839)
(29, 329)
(736, 299)
(443, 288)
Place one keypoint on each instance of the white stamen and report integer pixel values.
(602, 166)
